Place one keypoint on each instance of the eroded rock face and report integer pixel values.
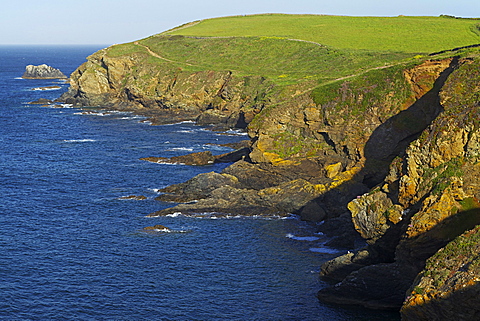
(434, 187)
(166, 93)
(42, 72)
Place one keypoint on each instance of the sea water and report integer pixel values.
(72, 249)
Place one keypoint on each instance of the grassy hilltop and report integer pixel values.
(395, 34)
(291, 48)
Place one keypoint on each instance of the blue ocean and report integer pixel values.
(72, 249)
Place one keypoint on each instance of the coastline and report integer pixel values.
(365, 153)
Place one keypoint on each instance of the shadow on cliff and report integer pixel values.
(388, 141)
(416, 250)
(458, 296)
(457, 305)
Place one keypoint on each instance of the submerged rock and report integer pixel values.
(157, 228)
(41, 101)
(133, 197)
(42, 72)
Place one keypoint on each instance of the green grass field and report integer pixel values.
(292, 48)
(399, 34)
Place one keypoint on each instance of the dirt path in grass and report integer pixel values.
(158, 56)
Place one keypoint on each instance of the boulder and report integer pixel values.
(42, 72)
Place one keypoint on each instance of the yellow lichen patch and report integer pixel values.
(333, 169)
(343, 177)
(320, 188)
(434, 210)
(408, 189)
(269, 191)
(394, 214)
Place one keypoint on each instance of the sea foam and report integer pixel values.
(78, 140)
(302, 238)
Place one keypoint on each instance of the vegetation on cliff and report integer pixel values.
(368, 122)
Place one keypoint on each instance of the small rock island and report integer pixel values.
(43, 72)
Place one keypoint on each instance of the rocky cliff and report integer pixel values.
(390, 154)
(429, 197)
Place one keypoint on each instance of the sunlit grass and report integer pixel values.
(399, 34)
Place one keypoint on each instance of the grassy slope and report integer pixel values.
(330, 47)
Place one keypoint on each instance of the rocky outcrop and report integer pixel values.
(199, 159)
(202, 158)
(251, 193)
(42, 72)
(429, 197)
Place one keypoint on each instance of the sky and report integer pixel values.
(109, 22)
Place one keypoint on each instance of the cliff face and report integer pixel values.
(429, 197)
(163, 90)
(393, 152)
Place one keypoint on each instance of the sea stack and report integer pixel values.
(42, 72)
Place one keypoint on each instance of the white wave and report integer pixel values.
(79, 140)
(92, 113)
(219, 216)
(165, 230)
(291, 217)
(182, 122)
(176, 214)
(324, 250)
(46, 88)
(167, 163)
(187, 149)
(233, 132)
(66, 105)
(187, 131)
(120, 112)
(132, 117)
(19, 78)
(302, 238)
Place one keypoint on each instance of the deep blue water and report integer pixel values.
(70, 249)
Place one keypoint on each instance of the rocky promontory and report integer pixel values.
(389, 154)
(42, 72)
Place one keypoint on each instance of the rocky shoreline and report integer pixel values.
(401, 174)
